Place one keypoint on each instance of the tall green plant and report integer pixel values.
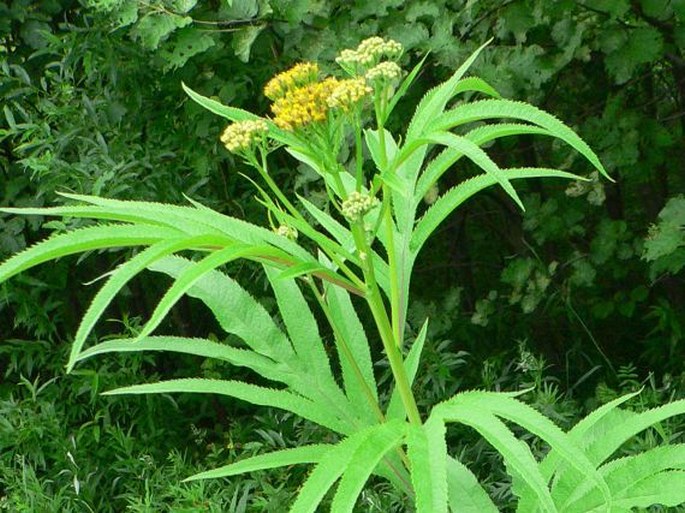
(363, 243)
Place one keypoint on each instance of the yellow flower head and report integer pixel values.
(243, 135)
(304, 105)
(348, 93)
(299, 75)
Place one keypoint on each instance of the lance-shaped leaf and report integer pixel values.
(474, 153)
(187, 278)
(479, 136)
(334, 463)
(449, 201)
(235, 114)
(516, 454)
(312, 361)
(84, 239)
(427, 452)
(357, 366)
(624, 473)
(254, 394)
(236, 311)
(364, 460)
(666, 489)
(194, 346)
(286, 457)
(499, 108)
(121, 276)
(434, 102)
(465, 493)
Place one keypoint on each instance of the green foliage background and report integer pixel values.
(581, 295)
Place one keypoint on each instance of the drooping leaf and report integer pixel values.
(286, 457)
(460, 193)
(479, 136)
(254, 394)
(500, 108)
(84, 239)
(195, 346)
(118, 280)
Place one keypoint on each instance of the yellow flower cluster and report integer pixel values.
(369, 52)
(357, 205)
(299, 75)
(242, 135)
(348, 93)
(388, 71)
(303, 105)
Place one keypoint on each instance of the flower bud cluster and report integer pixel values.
(286, 231)
(387, 71)
(241, 136)
(299, 75)
(348, 93)
(369, 52)
(432, 195)
(357, 205)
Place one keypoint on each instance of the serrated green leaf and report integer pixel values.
(363, 462)
(119, 278)
(666, 489)
(516, 454)
(427, 452)
(465, 493)
(499, 108)
(358, 377)
(434, 102)
(187, 278)
(474, 153)
(478, 136)
(195, 346)
(449, 201)
(286, 457)
(624, 473)
(254, 394)
(331, 466)
(475, 84)
(236, 311)
(81, 240)
(304, 335)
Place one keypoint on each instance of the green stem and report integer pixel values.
(392, 262)
(375, 302)
(263, 171)
(347, 353)
(358, 151)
